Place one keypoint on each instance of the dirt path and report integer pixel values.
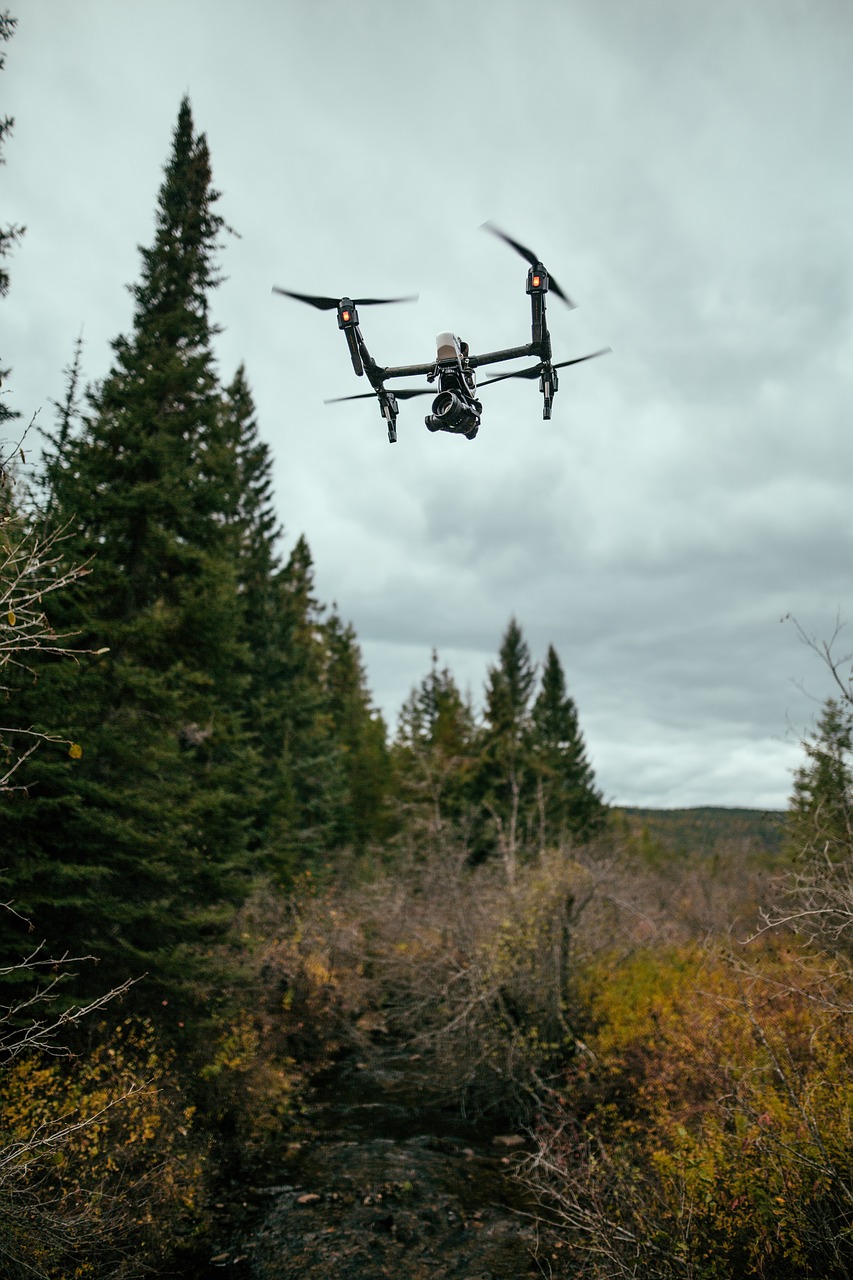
(383, 1182)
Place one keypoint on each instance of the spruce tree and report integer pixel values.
(567, 801)
(504, 774)
(304, 732)
(299, 813)
(131, 852)
(361, 734)
(820, 812)
(435, 753)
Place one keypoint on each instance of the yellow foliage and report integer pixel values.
(729, 1092)
(105, 1141)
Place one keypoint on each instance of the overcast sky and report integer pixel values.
(685, 172)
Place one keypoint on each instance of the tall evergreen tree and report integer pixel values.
(504, 769)
(361, 733)
(567, 801)
(303, 729)
(299, 812)
(435, 752)
(131, 858)
(820, 812)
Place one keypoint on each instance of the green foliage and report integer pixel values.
(435, 757)
(361, 732)
(131, 852)
(666, 835)
(517, 781)
(567, 801)
(820, 815)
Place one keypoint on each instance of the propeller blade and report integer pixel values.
(405, 393)
(535, 370)
(379, 302)
(555, 288)
(366, 395)
(530, 257)
(322, 304)
(564, 364)
(519, 248)
(329, 304)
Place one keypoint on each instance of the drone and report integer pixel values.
(456, 408)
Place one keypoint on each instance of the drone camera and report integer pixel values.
(451, 413)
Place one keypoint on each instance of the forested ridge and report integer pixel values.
(222, 871)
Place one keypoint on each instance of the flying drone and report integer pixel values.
(456, 407)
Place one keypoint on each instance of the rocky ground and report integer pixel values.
(384, 1180)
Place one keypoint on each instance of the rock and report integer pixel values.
(509, 1140)
(310, 1197)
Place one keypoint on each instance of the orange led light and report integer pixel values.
(537, 280)
(345, 315)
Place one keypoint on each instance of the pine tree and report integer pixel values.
(302, 739)
(435, 753)
(820, 813)
(567, 800)
(360, 732)
(131, 857)
(504, 774)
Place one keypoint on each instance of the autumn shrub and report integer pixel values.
(470, 971)
(286, 1006)
(706, 1131)
(100, 1171)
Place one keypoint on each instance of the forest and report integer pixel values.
(223, 873)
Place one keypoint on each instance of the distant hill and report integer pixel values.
(707, 830)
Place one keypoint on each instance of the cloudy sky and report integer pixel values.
(683, 169)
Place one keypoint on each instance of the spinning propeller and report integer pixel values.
(330, 304)
(405, 393)
(530, 257)
(536, 370)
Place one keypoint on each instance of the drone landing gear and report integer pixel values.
(548, 386)
(388, 405)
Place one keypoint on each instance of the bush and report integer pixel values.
(708, 1131)
(100, 1174)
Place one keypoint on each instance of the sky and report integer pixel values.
(682, 169)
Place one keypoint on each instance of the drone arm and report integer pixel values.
(407, 370)
(508, 353)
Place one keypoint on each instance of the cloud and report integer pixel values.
(683, 171)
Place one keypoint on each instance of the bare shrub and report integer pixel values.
(469, 970)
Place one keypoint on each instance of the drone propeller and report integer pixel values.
(329, 304)
(536, 370)
(405, 393)
(530, 256)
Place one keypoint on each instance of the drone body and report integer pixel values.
(456, 408)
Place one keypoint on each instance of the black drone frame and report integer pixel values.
(456, 408)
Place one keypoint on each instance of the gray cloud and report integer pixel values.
(684, 171)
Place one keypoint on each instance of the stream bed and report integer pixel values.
(383, 1179)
